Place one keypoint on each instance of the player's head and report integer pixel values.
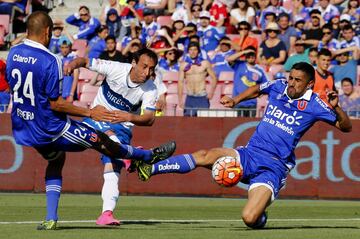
(143, 65)
(302, 77)
(39, 27)
(324, 59)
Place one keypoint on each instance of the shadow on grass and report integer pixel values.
(295, 227)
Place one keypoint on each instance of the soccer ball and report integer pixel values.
(227, 171)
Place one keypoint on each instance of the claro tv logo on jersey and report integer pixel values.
(284, 121)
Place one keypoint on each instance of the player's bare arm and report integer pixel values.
(146, 119)
(213, 78)
(98, 113)
(76, 63)
(250, 93)
(343, 121)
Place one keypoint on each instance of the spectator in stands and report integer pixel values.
(314, 30)
(182, 37)
(242, 11)
(86, 23)
(170, 61)
(327, 41)
(301, 55)
(349, 100)
(196, 39)
(299, 10)
(299, 25)
(130, 49)
(272, 50)
(8, 7)
(69, 81)
(193, 72)
(158, 6)
(4, 87)
(182, 11)
(219, 14)
(313, 55)
(111, 4)
(179, 33)
(287, 33)
(113, 23)
(161, 41)
(208, 34)
(54, 46)
(350, 39)
(97, 45)
(218, 59)
(196, 9)
(244, 40)
(344, 20)
(134, 34)
(353, 10)
(149, 26)
(111, 53)
(324, 80)
(247, 74)
(327, 10)
(335, 26)
(346, 68)
(131, 14)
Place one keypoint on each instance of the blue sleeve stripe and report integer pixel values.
(151, 109)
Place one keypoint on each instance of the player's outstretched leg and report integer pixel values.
(115, 150)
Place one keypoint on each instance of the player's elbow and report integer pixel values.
(346, 128)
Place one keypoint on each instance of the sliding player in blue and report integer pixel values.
(40, 115)
(269, 155)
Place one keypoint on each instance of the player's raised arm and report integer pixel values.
(343, 121)
(249, 93)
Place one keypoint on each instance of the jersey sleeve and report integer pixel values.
(266, 87)
(324, 113)
(103, 66)
(149, 99)
(53, 81)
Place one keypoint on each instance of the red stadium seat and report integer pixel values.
(164, 21)
(87, 97)
(275, 69)
(227, 89)
(86, 74)
(170, 76)
(172, 88)
(87, 88)
(79, 44)
(288, 5)
(233, 36)
(226, 76)
(172, 108)
(5, 22)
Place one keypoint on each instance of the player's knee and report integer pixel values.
(201, 157)
(249, 218)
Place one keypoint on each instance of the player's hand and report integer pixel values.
(68, 69)
(100, 113)
(160, 105)
(121, 116)
(333, 98)
(227, 101)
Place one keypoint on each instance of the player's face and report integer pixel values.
(193, 52)
(143, 69)
(298, 84)
(323, 62)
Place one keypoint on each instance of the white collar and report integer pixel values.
(306, 96)
(35, 44)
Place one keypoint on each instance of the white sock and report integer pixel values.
(110, 191)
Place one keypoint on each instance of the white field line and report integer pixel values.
(196, 221)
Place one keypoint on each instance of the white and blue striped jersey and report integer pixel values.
(118, 92)
(35, 76)
(285, 121)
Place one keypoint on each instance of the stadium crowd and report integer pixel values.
(212, 48)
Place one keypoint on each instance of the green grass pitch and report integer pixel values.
(177, 217)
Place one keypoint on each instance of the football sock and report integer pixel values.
(130, 152)
(182, 163)
(53, 190)
(110, 191)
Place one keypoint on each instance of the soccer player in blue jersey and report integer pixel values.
(40, 115)
(269, 155)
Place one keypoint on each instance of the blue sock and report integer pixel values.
(53, 190)
(183, 163)
(130, 152)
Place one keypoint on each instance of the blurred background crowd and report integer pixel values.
(206, 48)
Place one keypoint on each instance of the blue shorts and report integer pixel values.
(259, 170)
(123, 135)
(75, 138)
(192, 103)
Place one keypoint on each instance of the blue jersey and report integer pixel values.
(245, 77)
(35, 75)
(96, 46)
(210, 38)
(285, 121)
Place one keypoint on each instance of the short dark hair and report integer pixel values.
(324, 52)
(283, 14)
(84, 7)
(348, 27)
(194, 44)
(110, 37)
(306, 68)
(347, 79)
(244, 23)
(313, 49)
(327, 26)
(37, 22)
(194, 36)
(147, 52)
